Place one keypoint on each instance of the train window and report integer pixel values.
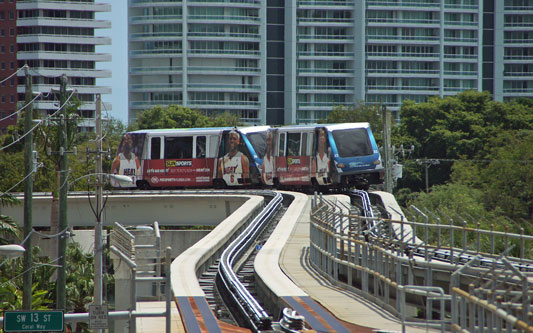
(200, 146)
(155, 148)
(258, 141)
(304, 145)
(213, 145)
(178, 147)
(293, 144)
(281, 144)
(352, 142)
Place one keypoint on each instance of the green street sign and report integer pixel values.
(33, 321)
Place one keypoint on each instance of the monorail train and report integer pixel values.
(337, 156)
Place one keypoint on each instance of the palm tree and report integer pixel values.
(9, 228)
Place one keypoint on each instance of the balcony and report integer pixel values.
(518, 58)
(79, 72)
(395, 38)
(325, 21)
(223, 35)
(58, 5)
(435, 5)
(208, 70)
(321, 54)
(218, 104)
(337, 72)
(218, 52)
(49, 55)
(326, 3)
(382, 72)
(324, 88)
(49, 38)
(156, 87)
(403, 22)
(223, 87)
(150, 104)
(156, 19)
(234, 19)
(63, 22)
(156, 36)
(153, 87)
(460, 40)
(157, 70)
(154, 3)
(155, 53)
(325, 38)
(222, 2)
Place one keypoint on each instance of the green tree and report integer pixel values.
(368, 113)
(460, 127)
(176, 116)
(173, 116)
(9, 229)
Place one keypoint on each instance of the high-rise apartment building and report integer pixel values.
(292, 61)
(54, 38)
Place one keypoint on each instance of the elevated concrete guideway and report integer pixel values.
(187, 208)
(134, 208)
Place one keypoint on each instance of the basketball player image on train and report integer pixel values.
(321, 161)
(126, 162)
(267, 168)
(234, 167)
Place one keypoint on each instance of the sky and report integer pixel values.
(119, 53)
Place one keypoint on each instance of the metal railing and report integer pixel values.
(387, 263)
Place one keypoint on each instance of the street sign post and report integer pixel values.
(33, 321)
(98, 317)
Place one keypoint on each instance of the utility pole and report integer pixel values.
(387, 158)
(63, 192)
(427, 164)
(98, 258)
(29, 168)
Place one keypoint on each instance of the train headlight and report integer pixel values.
(376, 162)
(340, 165)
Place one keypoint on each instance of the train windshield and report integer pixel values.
(258, 141)
(352, 142)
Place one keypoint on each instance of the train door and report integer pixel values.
(179, 161)
(201, 164)
(321, 164)
(153, 164)
(297, 158)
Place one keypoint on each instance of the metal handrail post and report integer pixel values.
(168, 291)
(133, 300)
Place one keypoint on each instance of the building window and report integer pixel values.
(11, 15)
(12, 82)
(11, 32)
(2, 32)
(3, 65)
(12, 48)
(12, 65)
(3, 99)
(12, 98)
(2, 48)
(2, 16)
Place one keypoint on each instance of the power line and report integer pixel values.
(22, 108)
(40, 122)
(15, 73)
(472, 160)
(23, 179)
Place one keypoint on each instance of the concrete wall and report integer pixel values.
(137, 208)
(178, 240)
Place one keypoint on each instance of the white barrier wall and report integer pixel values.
(132, 209)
